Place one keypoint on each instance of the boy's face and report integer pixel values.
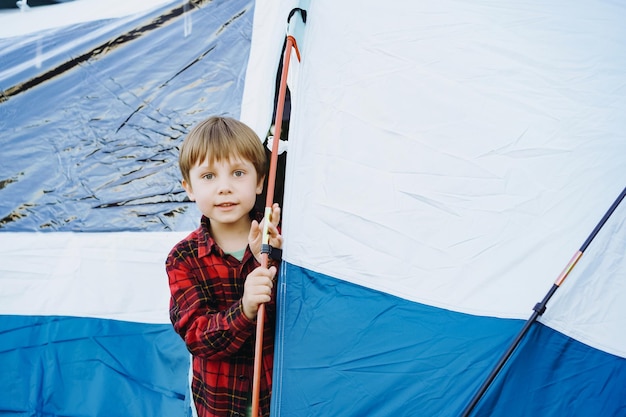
(225, 191)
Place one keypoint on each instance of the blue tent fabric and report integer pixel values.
(387, 345)
(545, 376)
(81, 366)
(395, 357)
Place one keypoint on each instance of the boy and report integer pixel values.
(216, 280)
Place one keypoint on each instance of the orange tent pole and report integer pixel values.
(282, 92)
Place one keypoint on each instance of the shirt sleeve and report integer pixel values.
(208, 332)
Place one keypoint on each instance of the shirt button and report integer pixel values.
(242, 377)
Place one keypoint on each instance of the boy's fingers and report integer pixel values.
(255, 230)
(260, 273)
(252, 226)
(276, 214)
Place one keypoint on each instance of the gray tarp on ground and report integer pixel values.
(89, 135)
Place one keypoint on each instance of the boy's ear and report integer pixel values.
(259, 187)
(188, 190)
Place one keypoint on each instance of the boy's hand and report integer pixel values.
(255, 238)
(257, 290)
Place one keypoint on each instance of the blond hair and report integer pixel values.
(220, 138)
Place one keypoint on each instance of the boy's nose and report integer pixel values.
(224, 186)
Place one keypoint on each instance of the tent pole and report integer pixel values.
(540, 307)
(282, 92)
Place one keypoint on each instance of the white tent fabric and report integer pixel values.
(70, 274)
(455, 156)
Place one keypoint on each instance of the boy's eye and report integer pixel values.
(238, 173)
(208, 176)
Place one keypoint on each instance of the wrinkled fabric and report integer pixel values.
(92, 115)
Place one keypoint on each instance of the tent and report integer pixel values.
(445, 162)
(94, 104)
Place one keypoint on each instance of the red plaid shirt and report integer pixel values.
(206, 311)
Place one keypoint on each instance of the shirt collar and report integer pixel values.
(206, 243)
